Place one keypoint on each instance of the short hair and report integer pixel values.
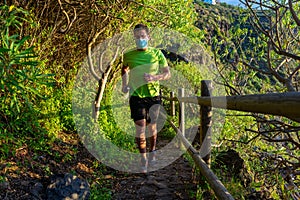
(141, 27)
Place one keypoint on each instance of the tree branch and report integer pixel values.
(69, 23)
(155, 9)
(294, 72)
(294, 15)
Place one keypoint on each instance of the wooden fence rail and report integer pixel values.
(283, 104)
(217, 186)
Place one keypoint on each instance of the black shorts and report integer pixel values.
(145, 108)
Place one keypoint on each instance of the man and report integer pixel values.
(145, 66)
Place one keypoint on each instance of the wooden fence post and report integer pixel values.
(206, 122)
(172, 105)
(181, 112)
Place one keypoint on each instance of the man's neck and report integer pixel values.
(142, 49)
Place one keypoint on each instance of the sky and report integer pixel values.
(232, 2)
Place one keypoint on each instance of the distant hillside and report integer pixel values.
(216, 19)
(231, 38)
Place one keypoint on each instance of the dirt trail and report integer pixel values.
(175, 181)
(27, 177)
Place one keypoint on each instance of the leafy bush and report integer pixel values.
(21, 82)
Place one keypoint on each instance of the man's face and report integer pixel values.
(140, 34)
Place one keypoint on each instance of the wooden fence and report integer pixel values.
(282, 104)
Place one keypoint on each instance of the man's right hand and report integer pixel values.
(125, 89)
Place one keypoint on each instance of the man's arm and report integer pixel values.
(125, 70)
(165, 75)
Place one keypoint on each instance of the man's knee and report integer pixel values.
(140, 123)
(152, 127)
(141, 143)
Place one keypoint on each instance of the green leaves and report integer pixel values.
(19, 72)
(12, 17)
(21, 81)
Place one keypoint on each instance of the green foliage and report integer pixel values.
(120, 136)
(232, 38)
(192, 73)
(56, 112)
(21, 83)
(98, 192)
(175, 15)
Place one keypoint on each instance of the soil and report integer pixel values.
(175, 181)
(27, 174)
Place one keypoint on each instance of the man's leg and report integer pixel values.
(140, 126)
(152, 127)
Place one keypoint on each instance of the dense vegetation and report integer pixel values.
(44, 45)
(255, 55)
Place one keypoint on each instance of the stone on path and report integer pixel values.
(67, 187)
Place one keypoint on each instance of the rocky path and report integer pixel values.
(175, 181)
(30, 180)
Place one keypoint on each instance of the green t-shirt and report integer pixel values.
(140, 62)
